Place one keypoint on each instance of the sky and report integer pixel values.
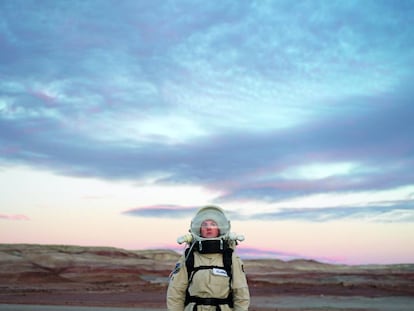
(119, 119)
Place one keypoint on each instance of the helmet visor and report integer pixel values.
(210, 213)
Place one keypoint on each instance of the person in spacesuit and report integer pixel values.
(209, 275)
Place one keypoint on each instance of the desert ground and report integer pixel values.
(69, 278)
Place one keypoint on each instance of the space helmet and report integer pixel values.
(210, 213)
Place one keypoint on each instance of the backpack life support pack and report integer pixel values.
(227, 252)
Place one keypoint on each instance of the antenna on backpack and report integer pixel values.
(185, 238)
(236, 237)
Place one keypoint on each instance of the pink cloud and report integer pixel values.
(14, 217)
(47, 99)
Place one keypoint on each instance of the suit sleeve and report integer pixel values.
(241, 294)
(177, 287)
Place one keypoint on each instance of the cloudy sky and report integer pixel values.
(118, 119)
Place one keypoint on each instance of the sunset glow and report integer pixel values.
(118, 121)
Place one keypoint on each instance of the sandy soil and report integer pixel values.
(155, 301)
(336, 303)
(280, 303)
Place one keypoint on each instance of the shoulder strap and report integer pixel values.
(189, 261)
(227, 261)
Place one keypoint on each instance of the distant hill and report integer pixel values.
(50, 274)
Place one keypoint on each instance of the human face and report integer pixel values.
(209, 229)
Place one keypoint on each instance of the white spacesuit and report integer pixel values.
(209, 276)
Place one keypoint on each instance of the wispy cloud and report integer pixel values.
(244, 162)
(14, 217)
(394, 211)
(162, 211)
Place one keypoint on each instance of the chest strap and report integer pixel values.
(211, 302)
